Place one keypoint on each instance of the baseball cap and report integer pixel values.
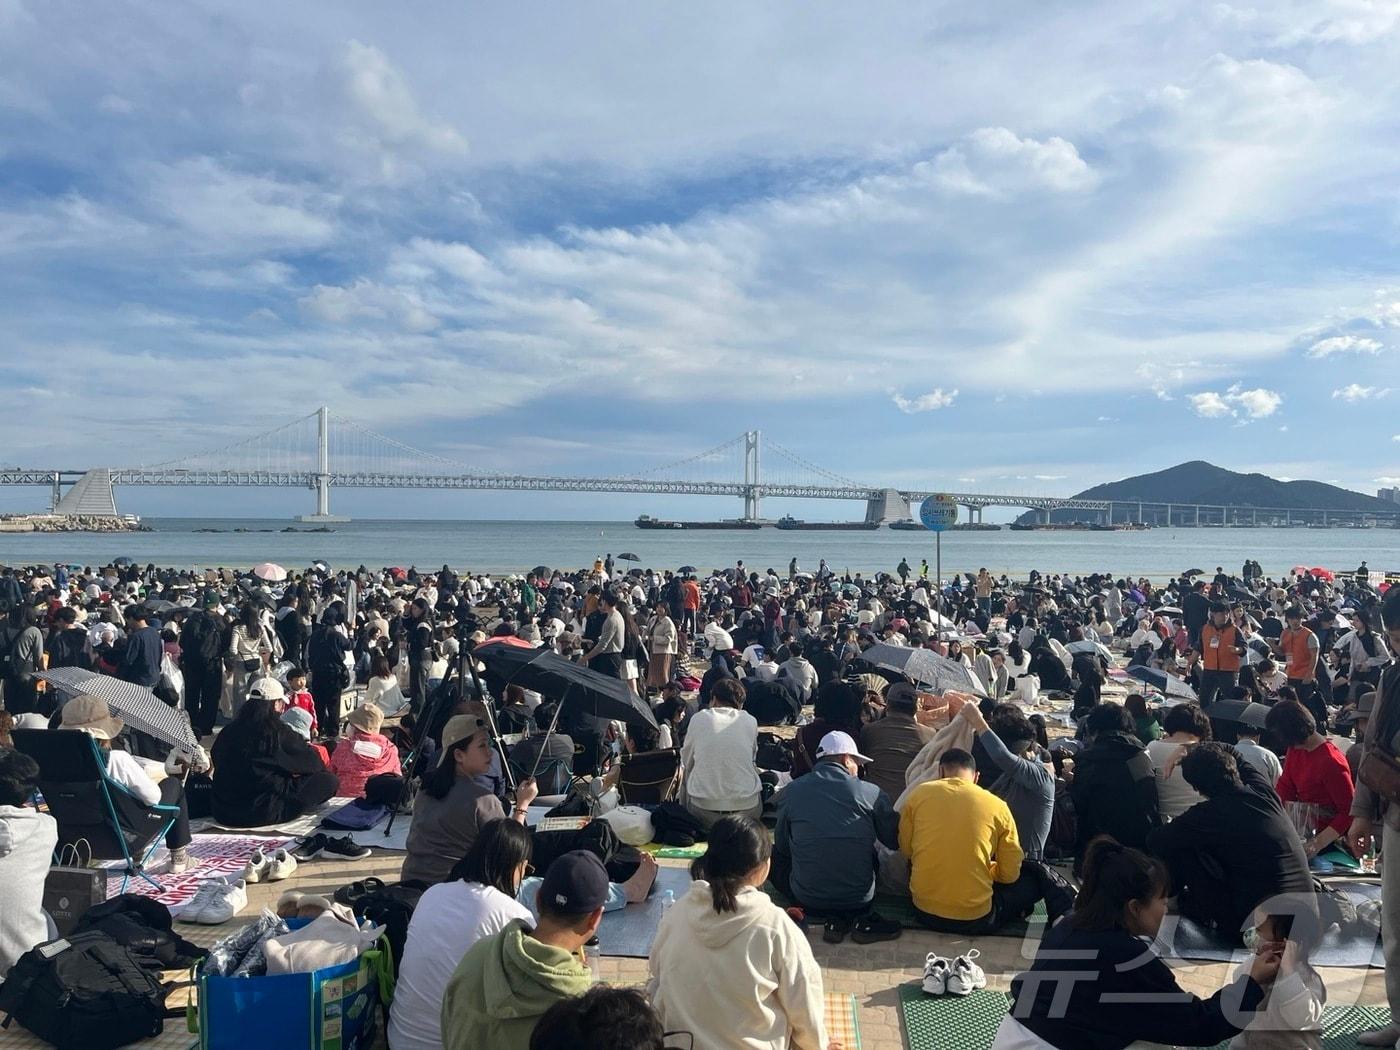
(459, 728)
(903, 696)
(839, 743)
(575, 884)
(266, 689)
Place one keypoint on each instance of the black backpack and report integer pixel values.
(141, 924)
(392, 908)
(86, 992)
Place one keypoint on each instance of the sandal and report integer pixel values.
(351, 892)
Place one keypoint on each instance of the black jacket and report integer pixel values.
(253, 777)
(68, 648)
(1248, 838)
(1090, 990)
(1114, 792)
(140, 658)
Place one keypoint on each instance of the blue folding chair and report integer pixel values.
(90, 806)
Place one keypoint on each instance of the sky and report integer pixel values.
(1008, 247)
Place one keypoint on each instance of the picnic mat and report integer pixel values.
(950, 1022)
(374, 837)
(1184, 939)
(298, 828)
(843, 1020)
(901, 910)
(212, 857)
(663, 852)
(628, 932)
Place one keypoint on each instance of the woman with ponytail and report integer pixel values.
(728, 965)
(1096, 984)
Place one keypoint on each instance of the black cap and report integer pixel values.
(575, 884)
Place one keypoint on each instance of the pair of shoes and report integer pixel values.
(217, 901)
(872, 929)
(269, 867)
(180, 860)
(835, 930)
(961, 976)
(322, 845)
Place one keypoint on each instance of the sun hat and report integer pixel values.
(299, 719)
(92, 715)
(368, 719)
(838, 743)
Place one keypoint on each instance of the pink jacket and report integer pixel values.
(354, 762)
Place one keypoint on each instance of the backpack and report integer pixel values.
(773, 753)
(675, 825)
(85, 992)
(392, 908)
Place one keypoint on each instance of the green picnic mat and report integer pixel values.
(656, 849)
(948, 1022)
(901, 910)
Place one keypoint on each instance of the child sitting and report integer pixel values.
(298, 696)
(363, 752)
(1291, 1016)
(300, 721)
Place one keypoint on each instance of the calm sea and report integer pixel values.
(507, 546)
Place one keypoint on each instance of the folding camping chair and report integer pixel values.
(554, 778)
(88, 805)
(650, 778)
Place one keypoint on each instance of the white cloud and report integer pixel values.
(1386, 479)
(382, 98)
(930, 402)
(1354, 392)
(225, 210)
(1344, 344)
(1237, 403)
(994, 161)
(116, 105)
(1210, 405)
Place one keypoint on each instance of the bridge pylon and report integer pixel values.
(321, 480)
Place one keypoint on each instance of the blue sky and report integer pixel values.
(1033, 247)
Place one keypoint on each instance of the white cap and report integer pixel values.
(266, 689)
(839, 743)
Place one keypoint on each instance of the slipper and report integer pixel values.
(872, 928)
(835, 930)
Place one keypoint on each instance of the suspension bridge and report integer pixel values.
(324, 450)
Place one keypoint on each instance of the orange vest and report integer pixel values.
(1300, 656)
(1218, 647)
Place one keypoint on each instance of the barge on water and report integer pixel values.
(646, 521)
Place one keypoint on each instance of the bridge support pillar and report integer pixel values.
(752, 492)
(322, 482)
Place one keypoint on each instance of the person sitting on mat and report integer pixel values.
(1236, 849)
(824, 850)
(92, 715)
(1096, 984)
(264, 771)
(967, 871)
(728, 965)
(363, 752)
(1024, 782)
(452, 806)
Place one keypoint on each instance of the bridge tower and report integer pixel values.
(321, 482)
(753, 491)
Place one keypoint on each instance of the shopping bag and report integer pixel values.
(335, 1008)
(71, 887)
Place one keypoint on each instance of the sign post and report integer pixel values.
(937, 513)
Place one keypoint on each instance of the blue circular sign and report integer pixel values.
(938, 512)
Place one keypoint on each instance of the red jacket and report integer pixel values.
(360, 756)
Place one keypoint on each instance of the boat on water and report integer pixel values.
(788, 522)
(962, 526)
(646, 521)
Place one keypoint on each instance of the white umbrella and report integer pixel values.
(270, 572)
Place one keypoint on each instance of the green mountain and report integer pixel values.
(1201, 482)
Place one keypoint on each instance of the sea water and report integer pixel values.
(516, 546)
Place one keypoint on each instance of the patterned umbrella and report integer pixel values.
(136, 705)
(270, 571)
(925, 667)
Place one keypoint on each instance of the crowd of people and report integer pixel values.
(820, 776)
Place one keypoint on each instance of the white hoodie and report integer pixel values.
(27, 842)
(737, 980)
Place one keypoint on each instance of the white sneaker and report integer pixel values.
(935, 974)
(227, 902)
(257, 869)
(280, 865)
(965, 976)
(203, 897)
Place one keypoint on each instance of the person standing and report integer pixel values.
(141, 653)
(21, 653)
(418, 628)
(1300, 648)
(1222, 646)
(662, 640)
(202, 663)
(325, 654)
(68, 643)
(606, 655)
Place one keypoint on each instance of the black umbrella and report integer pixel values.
(122, 561)
(687, 568)
(1241, 711)
(628, 556)
(1242, 594)
(574, 685)
(541, 571)
(158, 605)
(1194, 572)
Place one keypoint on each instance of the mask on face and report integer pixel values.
(1251, 938)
